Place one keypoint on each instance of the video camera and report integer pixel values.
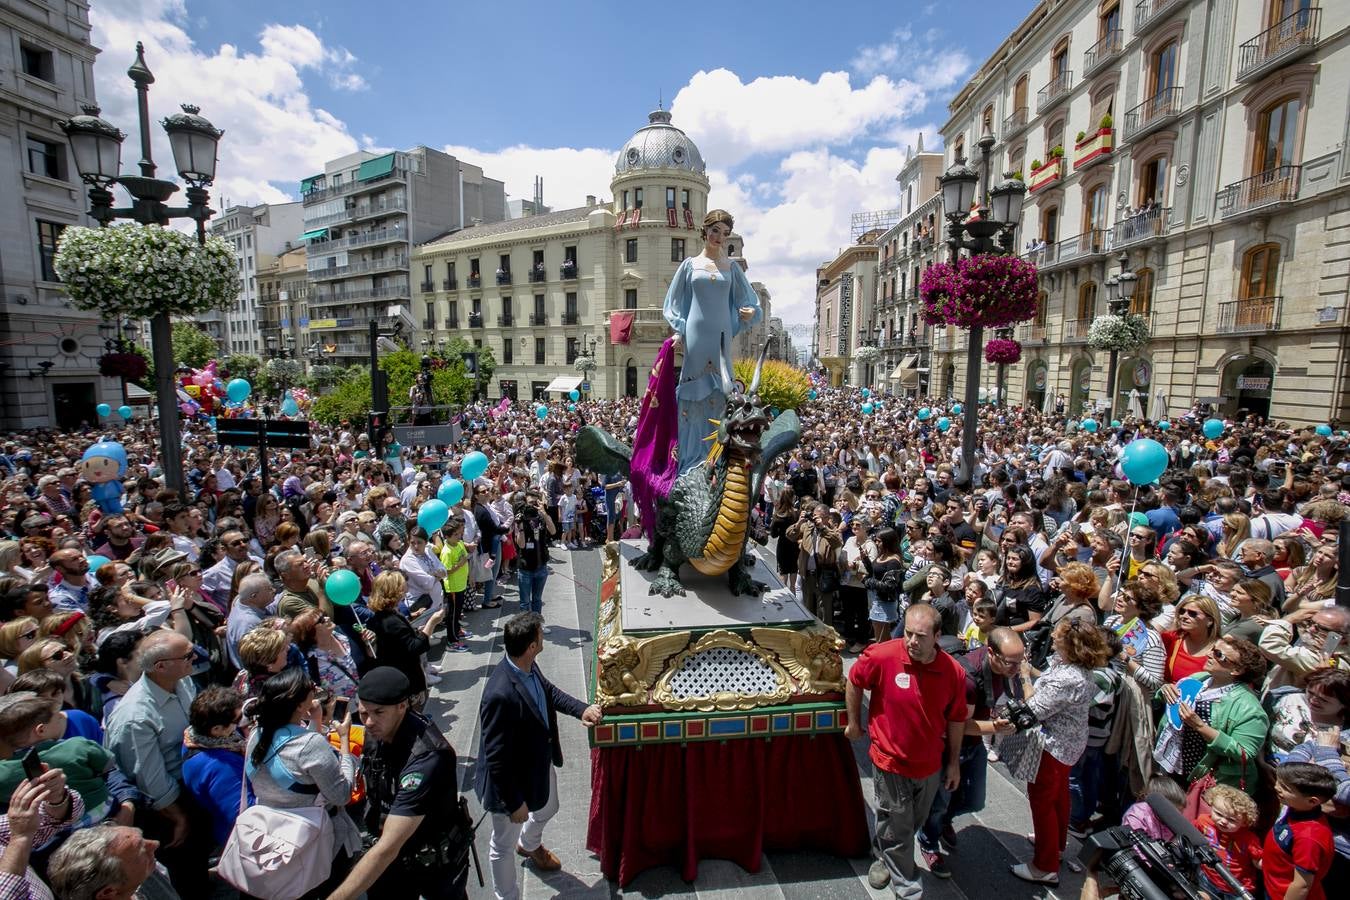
(1147, 869)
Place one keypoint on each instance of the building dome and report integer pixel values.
(659, 145)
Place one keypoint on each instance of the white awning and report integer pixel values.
(136, 393)
(564, 383)
(907, 368)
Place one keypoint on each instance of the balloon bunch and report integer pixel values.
(202, 392)
(104, 411)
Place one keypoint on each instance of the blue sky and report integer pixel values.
(803, 119)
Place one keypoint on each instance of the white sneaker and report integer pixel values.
(433, 671)
(547, 630)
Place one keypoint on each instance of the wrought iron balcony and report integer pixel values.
(1054, 91)
(1083, 246)
(1014, 123)
(568, 272)
(505, 320)
(538, 318)
(571, 318)
(378, 236)
(428, 324)
(1148, 13)
(537, 275)
(1153, 113)
(1250, 315)
(428, 287)
(1076, 330)
(452, 322)
(1102, 52)
(450, 284)
(1031, 333)
(1264, 189)
(504, 277)
(1145, 225)
(361, 267)
(475, 320)
(475, 281)
(1284, 41)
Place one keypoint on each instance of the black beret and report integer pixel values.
(384, 685)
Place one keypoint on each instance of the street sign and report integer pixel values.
(426, 435)
(586, 386)
(265, 434)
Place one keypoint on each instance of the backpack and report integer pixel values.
(281, 854)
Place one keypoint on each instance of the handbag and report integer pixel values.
(1021, 752)
(281, 854)
(480, 569)
(1195, 792)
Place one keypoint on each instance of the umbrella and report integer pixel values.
(1136, 404)
(1159, 411)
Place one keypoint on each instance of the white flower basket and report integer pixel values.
(584, 363)
(867, 354)
(1124, 333)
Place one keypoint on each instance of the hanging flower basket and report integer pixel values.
(584, 363)
(126, 366)
(1124, 333)
(988, 291)
(867, 354)
(1000, 351)
(144, 270)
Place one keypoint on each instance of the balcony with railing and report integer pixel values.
(537, 319)
(475, 281)
(537, 275)
(452, 322)
(1283, 42)
(503, 276)
(1145, 225)
(569, 270)
(378, 236)
(1249, 315)
(428, 287)
(1102, 52)
(1031, 333)
(1153, 113)
(1085, 246)
(505, 320)
(429, 324)
(1055, 90)
(1261, 191)
(387, 292)
(362, 267)
(357, 212)
(449, 284)
(1014, 122)
(475, 320)
(1148, 13)
(353, 187)
(1047, 175)
(943, 342)
(1076, 330)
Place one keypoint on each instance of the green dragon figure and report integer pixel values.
(705, 520)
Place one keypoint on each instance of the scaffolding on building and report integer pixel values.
(862, 223)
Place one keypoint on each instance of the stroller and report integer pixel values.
(595, 506)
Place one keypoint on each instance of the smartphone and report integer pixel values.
(170, 586)
(32, 765)
(1331, 645)
(339, 709)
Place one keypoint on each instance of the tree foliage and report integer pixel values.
(192, 347)
(242, 365)
(349, 398)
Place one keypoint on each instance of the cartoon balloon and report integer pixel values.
(342, 587)
(924, 414)
(866, 392)
(1115, 423)
(103, 409)
(432, 515)
(238, 390)
(474, 465)
(811, 394)
(1143, 461)
(1213, 428)
(289, 407)
(451, 492)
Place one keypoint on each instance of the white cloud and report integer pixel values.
(926, 57)
(274, 135)
(569, 173)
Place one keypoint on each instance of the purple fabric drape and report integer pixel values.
(654, 466)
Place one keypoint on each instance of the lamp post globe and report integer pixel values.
(1005, 200)
(958, 188)
(194, 141)
(97, 146)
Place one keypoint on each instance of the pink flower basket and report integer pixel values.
(1002, 352)
(988, 291)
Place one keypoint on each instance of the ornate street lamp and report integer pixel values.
(1119, 293)
(96, 146)
(989, 230)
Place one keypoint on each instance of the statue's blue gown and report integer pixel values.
(702, 307)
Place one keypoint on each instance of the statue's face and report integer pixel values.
(716, 234)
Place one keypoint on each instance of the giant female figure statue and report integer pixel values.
(709, 302)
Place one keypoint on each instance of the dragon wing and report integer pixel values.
(654, 651)
(782, 436)
(788, 645)
(598, 451)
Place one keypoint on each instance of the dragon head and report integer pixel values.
(746, 418)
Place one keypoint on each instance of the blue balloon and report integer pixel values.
(1143, 461)
(943, 424)
(866, 392)
(1324, 430)
(956, 409)
(1164, 425)
(1213, 428)
(541, 411)
(289, 407)
(450, 492)
(1115, 423)
(95, 561)
(574, 395)
(571, 407)
(432, 515)
(103, 409)
(811, 394)
(473, 466)
(924, 414)
(876, 405)
(238, 390)
(124, 412)
(342, 587)
(867, 409)
(1089, 425)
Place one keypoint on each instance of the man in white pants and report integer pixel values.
(516, 776)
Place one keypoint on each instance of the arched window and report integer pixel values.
(1260, 272)
(1087, 301)
(1153, 182)
(1059, 59)
(1276, 135)
(1017, 159)
(1142, 301)
(1095, 210)
(1042, 308)
(1054, 136)
(1020, 90)
(959, 147)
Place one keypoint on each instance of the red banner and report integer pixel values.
(688, 217)
(671, 219)
(621, 326)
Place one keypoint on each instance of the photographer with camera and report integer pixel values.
(533, 528)
(1059, 700)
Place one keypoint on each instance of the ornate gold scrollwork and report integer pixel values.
(810, 655)
(629, 665)
(722, 700)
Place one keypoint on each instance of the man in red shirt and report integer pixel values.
(917, 713)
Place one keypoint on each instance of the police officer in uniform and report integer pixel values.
(422, 836)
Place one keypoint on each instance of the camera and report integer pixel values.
(1020, 715)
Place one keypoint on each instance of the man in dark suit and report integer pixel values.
(520, 750)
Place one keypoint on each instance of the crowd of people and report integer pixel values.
(1099, 640)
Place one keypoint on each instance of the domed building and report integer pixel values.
(541, 290)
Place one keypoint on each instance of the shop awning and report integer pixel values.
(375, 168)
(309, 184)
(563, 383)
(137, 394)
(315, 234)
(907, 370)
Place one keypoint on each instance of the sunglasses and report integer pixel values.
(1220, 657)
(28, 635)
(1191, 614)
(237, 543)
(1138, 537)
(58, 656)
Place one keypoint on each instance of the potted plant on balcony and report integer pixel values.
(1002, 352)
(1057, 152)
(1036, 166)
(1081, 135)
(1125, 332)
(1106, 122)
